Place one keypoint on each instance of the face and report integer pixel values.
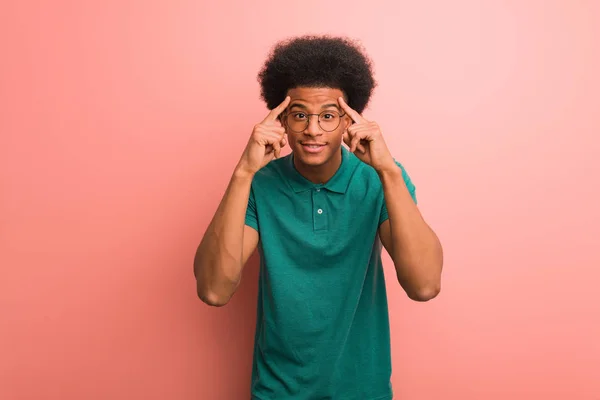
(314, 143)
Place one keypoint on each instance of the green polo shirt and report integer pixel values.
(322, 329)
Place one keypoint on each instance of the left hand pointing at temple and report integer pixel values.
(365, 140)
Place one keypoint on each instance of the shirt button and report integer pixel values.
(318, 189)
(320, 211)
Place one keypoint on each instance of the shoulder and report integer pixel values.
(270, 176)
(366, 176)
(366, 171)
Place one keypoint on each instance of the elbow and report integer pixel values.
(216, 294)
(424, 293)
(422, 286)
(214, 287)
(213, 299)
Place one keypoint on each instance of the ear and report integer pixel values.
(347, 121)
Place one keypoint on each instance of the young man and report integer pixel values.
(319, 217)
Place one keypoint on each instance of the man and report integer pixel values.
(319, 217)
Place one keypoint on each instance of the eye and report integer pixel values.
(328, 116)
(299, 115)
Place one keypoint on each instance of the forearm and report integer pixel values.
(219, 258)
(416, 249)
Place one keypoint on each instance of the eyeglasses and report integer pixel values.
(297, 121)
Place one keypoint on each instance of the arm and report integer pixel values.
(413, 246)
(226, 245)
(228, 242)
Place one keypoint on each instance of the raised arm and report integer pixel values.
(228, 242)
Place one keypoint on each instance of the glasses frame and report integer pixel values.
(287, 114)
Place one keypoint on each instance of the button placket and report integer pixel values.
(319, 215)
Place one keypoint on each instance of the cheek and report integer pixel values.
(338, 135)
(292, 139)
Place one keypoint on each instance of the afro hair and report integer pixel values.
(318, 61)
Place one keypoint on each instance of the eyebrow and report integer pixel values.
(323, 107)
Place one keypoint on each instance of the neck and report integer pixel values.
(320, 173)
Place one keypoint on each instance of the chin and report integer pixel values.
(313, 159)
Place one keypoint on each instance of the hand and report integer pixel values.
(365, 140)
(266, 141)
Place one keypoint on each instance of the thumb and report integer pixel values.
(269, 154)
(355, 143)
(276, 149)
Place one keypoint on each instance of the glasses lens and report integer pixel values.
(297, 121)
(329, 120)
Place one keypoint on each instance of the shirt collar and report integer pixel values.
(339, 181)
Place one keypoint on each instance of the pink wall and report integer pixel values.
(115, 124)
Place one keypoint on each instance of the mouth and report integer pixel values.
(313, 147)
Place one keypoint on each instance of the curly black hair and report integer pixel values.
(318, 61)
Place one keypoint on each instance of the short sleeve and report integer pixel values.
(411, 189)
(251, 215)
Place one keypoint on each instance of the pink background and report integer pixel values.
(121, 122)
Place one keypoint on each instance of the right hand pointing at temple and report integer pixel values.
(266, 141)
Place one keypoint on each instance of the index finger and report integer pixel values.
(356, 117)
(272, 116)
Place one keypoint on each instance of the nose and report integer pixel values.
(313, 128)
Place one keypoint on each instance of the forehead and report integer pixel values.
(315, 97)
